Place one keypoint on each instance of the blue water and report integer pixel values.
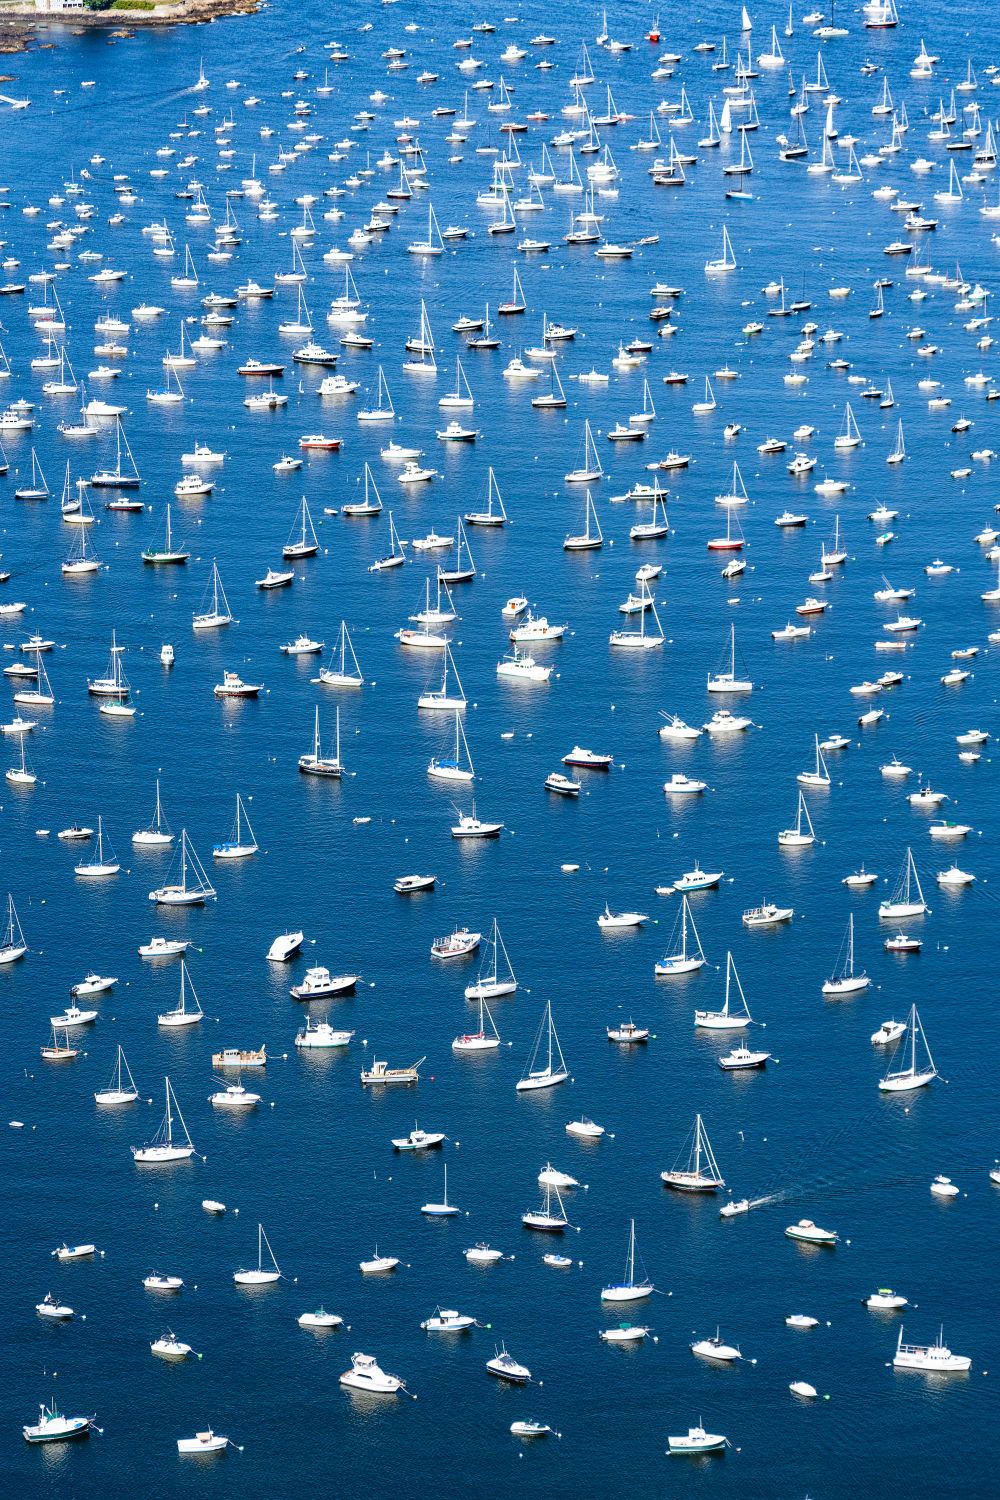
(314, 1163)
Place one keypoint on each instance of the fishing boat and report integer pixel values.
(630, 1289)
(935, 1358)
(846, 981)
(505, 1367)
(909, 1069)
(163, 1148)
(188, 1011)
(697, 1441)
(681, 957)
(204, 1442)
(471, 826)
(732, 1017)
(381, 1075)
(700, 1172)
(53, 1427)
(237, 1057)
(545, 1066)
(260, 1275)
(320, 1034)
(193, 887)
(458, 944)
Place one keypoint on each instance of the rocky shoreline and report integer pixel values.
(23, 27)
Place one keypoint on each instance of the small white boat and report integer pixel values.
(885, 1300)
(260, 1275)
(53, 1427)
(51, 1307)
(533, 1429)
(366, 1375)
(169, 1346)
(943, 1187)
(585, 1129)
(716, 1348)
(320, 1319)
(203, 1442)
(811, 1234)
(505, 1367)
(803, 1388)
(625, 1333)
(285, 947)
(697, 1440)
(801, 1320)
(378, 1265)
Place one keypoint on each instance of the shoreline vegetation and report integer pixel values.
(23, 26)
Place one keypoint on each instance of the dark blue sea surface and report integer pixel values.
(314, 1163)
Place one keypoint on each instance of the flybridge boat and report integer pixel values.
(931, 1357)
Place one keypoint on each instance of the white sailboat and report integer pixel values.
(725, 679)
(454, 769)
(383, 410)
(846, 981)
(104, 862)
(641, 639)
(732, 1017)
(914, 1069)
(629, 1289)
(339, 673)
(215, 610)
(183, 1014)
(682, 958)
(117, 1090)
(797, 838)
(481, 1040)
(302, 540)
(259, 1276)
(907, 900)
(193, 887)
(158, 832)
(590, 470)
(727, 260)
(12, 944)
(241, 842)
(591, 539)
(494, 515)
(445, 697)
(819, 777)
(424, 346)
(492, 982)
(700, 1172)
(163, 1148)
(546, 1065)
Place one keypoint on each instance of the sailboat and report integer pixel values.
(454, 770)
(163, 1148)
(37, 489)
(190, 276)
(545, 1218)
(41, 695)
(314, 763)
(383, 410)
(442, 698)
(680, 958)
(553, 399)
(461, 396)
(629, 1289)
(368, 506)
(494, 514)
(481, 1040)
(12, 944)
(183, 1014)
(158, 832)
(462, 572)
(725, 680)
(338, 673)
(517, 303)
(215, 609)
(117, 1091)
(795, 838)
(259, 1276)
(909, 1074)
(104, 862)
(847, 982)
(819, 777)
(302, 537)
(194, 888)
(395, 557)
(491, 982)
(902, 903)
(899, 451)
(837, 552)
(168, 553)
(849, 436)
(727, 260)
(729, 1018)
(546, 1065)
(700, 1172)
(82, 559)
(639, 640)
(424, 346)
(590, 471)
(118, 478)
(589, 540)
(22, 774)
(237, 846)
(433, 244)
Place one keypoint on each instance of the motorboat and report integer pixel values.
(203, 1442)
(680, 785)
(697, 1441)
(169, 1346)
(447, 1320)
(885, 1300)
(742, 1058)
(625, 1333)
(609, 920)
(53, 1427)
(767, 915)
(51, 1307)
(285, 947)
(378, 1265)
(234, 1096)
(887, 1033)
(505, 1367)
(366, 1375)
(801, 1320)
(943, 1187)
(811, 1234)
(320, 1034)
(419, 1140)
(320, 984)
(628, 1033)
(716, 1348)
(585, 1129)
(320, 1319)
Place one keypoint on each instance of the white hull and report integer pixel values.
(152, 1156)
(541, 1081)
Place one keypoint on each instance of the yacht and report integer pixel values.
(366, 1375)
